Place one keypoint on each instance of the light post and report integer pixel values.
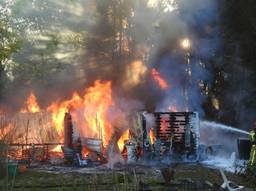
(186, 45)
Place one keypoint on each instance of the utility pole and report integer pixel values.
(186, 45)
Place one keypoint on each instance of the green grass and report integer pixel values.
(35, 180)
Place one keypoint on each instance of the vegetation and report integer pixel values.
(140, 179)
(9, 43)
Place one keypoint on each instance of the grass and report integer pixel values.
(36, 180)
(123, 180)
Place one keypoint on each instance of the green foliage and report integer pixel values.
(52, 41)
(9, 43)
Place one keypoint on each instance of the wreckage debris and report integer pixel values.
(228, 185)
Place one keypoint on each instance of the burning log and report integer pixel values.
(68, 131)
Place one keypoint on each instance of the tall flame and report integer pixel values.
(97, 100)
(31, 104)
(89, 112)
(58, 111)
(160, 81)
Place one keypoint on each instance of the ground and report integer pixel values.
(122, 178)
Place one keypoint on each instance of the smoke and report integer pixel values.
(187, 70)
(150, 121)
(156, 33)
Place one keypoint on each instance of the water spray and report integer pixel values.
(214, 125)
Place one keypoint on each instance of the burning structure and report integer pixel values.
(84, 115)
(174, 134)
(94, 127)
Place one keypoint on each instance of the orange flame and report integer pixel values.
(160, 81)
(31, 104)
(152, 136)
(5, 130)
(57, 149)
(58, 111)
(125, 136)
(89, 112)
(85, 152)
(97, 100)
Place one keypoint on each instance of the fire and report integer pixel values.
(152, 136)
(160, 81)
(85, 152)
(5, 131)
(57, 149)
(89, 112)
(58, 111)
(125, 136)
(31, 104)
(97, 101)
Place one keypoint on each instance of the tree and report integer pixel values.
(52, 44)
(9, 43)
(237, 97)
